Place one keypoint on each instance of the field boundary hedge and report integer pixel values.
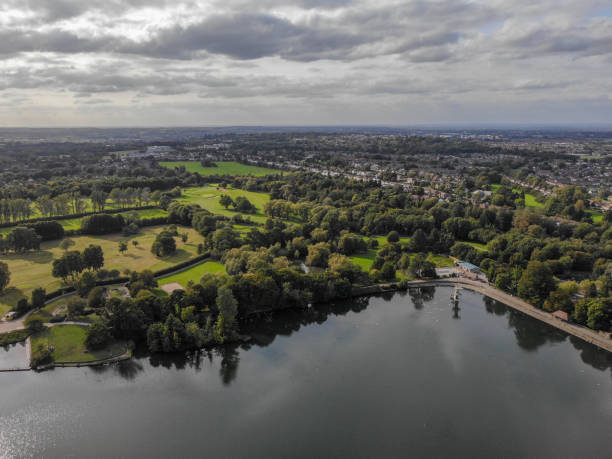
(71, 216)
(54, 295)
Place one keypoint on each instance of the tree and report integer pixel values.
(344, 266)
(164, 244)
(228, 309)
(5, 276)
(69, 265)
(102, 224)
(599, 315)
(34, 324)
(86, 283)
(76, 307)
(318, 255)
(96, 298)
(242, 204)
(393, 236)
(419, 267)
(122, 246)
(226, 201)
(66, 244)
(39, 296)
(48, 231)
(536, 283)
(93, 257)
(98, 335)
(22, 239)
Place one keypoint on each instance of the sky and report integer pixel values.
(304, 62)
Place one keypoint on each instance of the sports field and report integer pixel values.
(223, 168)
(33, 269)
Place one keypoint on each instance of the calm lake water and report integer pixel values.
(396, 376)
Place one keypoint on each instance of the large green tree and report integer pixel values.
(536, 283)
(5, 276)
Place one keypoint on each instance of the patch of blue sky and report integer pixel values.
(491, 27)
(604, 13)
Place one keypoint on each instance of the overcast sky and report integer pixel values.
(262, 62)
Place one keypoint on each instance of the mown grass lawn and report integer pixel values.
(33, 269)
(68, 342)
(208, 198)
(365, 260)
(530, 201)
(223, 168)
(194, 273)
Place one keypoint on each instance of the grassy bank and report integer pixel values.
(68, 343)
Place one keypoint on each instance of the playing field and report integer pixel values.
(68, 343)
(33, 269)
(223, 168)
(208, 198)
(194, 273)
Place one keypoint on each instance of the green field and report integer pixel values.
(596, 215)
(440, 261)
(194, 273)
(33, 269)
(68, 342)
(208, 198)
(223, 168)
(365, 260)
(530, 201)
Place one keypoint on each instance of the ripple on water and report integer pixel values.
(24, 432)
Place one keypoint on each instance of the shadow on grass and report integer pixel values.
(42, 256)
(11, 296)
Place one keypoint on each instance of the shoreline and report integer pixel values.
(583, 333)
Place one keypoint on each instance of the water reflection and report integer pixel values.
(529, 334)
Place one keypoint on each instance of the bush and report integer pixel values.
(41, 355)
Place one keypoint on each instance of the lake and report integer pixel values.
(402, 375)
